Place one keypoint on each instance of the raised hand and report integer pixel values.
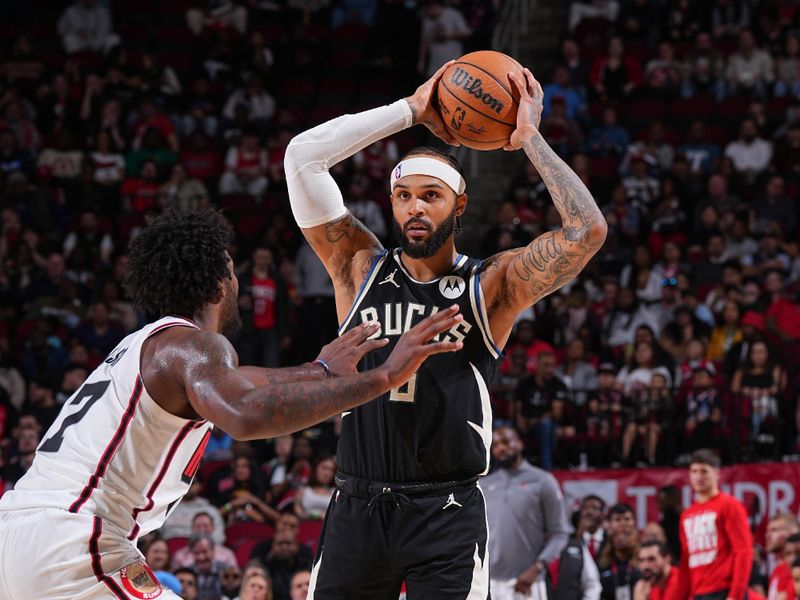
(414, 346)
(529, 114)
(424, 109)
(343, 353)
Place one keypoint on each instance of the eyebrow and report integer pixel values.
(427, 185)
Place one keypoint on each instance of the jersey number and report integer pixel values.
(405, 392)
(91, 393)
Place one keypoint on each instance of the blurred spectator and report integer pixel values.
(750, 69)
(663, 73)
(590, 524)
(783, 311)
(729, 17)
(619, 561)
(443, 31)
(240, 496)
(532, 524)
(563, 87)
(704, 420)
(312, 500)
(298, 589)
(377, 159)
(364, 208)
(318, 310)
(86, 25)
(761, 382)
(615, 75)
(203, 523)
(200, 159)
(256, 586)
(595, 9)
(659, 580)
(641, 189)
(156, 555)
(263, 302)
(579, 376)
(561, 131)
(188, 580)
(231, 582)
(576, 66)
(285, 557)
(207, 569)
(183, 192)
(702, 155)
(703, 68)
(750, 153)
(727, 333)
(506, 233)
(245, 168)
(27, 440)
(100, 334)
(541, 399)
(215, 15)
(787, 72)
(774, 208)
(610, 139)
(260, 106)
(670, 506)
(139, 193)
(179, 522)
(779, 528)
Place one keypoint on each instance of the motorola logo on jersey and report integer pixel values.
(452, 286)
(398, 317)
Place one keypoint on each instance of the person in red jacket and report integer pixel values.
(716, 545)
(659, 578)
(779, 529)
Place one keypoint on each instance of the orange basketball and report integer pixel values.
(477, 100)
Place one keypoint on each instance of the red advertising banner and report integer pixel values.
(764, 489)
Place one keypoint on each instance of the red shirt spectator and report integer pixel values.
(716, 545)
(139, 193)
(200, 159)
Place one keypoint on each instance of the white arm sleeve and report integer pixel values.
(313, 194)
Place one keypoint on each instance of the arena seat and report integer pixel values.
(239, 533)
(309, 533)
(176, 543)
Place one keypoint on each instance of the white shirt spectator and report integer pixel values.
(108, 168)
(749, 156)
(179, 523)
(86, 25)
(449, 23)
(259, 106)
(747, 70)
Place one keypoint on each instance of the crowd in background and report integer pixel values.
(682, 118)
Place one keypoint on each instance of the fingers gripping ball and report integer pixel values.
(477, 101)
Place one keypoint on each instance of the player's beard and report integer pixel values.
(429, 247)
(230, 320)
(508, 462)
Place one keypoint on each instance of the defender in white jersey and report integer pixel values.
(126, 445)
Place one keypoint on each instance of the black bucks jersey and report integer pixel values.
(438, 426)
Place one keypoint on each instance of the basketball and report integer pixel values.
(477, 100)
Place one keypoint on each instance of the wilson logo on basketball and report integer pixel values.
(473, 86)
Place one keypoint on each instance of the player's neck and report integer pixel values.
(207, 318)
(706, 496)
(425, 269)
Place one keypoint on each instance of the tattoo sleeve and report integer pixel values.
(556, 257)
(262, 376)
(286, 408)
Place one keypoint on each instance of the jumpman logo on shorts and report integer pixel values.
(451, 501)
(390, 279)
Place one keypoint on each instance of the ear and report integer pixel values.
(461, 204)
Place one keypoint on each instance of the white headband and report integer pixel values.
(429, 166)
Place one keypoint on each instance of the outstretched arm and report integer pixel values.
(517, 278)
(317, 204)
(206, 368)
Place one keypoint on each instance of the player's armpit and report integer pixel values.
(346, 247)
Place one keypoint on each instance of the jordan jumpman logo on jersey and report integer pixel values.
(451, 501)
(390, 279)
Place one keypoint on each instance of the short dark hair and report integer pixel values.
(671, 491)
(594, 497)
(796, 563)
(663, 550)
(620, 508)
(704, 456)
(794, 538)
(178, 262)
(187, 570)
(430, 151)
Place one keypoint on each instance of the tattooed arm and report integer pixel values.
(195, 373)
(518, 278)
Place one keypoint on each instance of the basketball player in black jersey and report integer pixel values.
(407, 507)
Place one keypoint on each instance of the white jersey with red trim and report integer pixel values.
(113, 451)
